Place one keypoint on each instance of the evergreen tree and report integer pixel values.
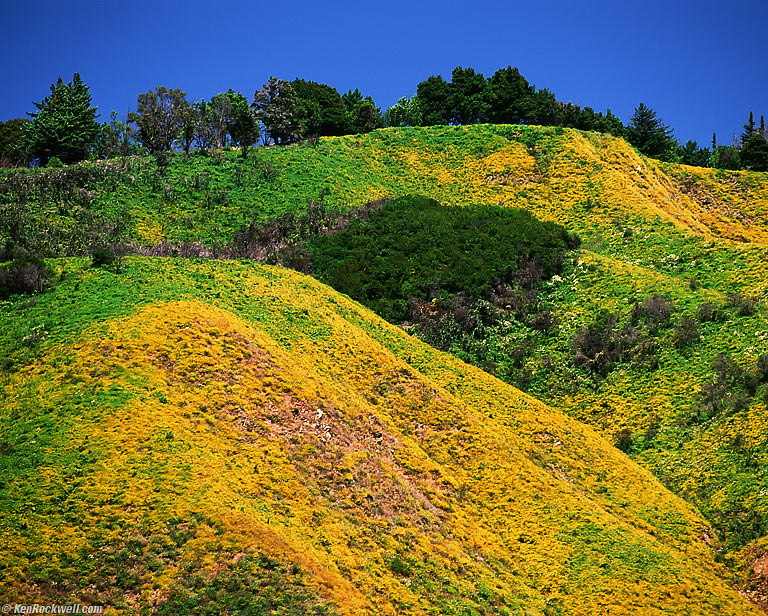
(64, 125)
(754, 153)
(649, 135)
(692, 154)
(749, 129)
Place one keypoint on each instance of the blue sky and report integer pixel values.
(700, 65)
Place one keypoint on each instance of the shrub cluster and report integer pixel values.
(26, 274)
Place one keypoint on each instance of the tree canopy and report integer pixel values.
(64, 125)
(649, 134)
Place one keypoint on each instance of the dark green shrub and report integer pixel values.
(26, 274)
(102, 257)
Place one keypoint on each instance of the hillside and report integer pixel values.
(696, 238)
(193, 435)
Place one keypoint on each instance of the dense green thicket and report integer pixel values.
(414, 248)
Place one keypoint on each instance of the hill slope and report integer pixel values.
(205, 434)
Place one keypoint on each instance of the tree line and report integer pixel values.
(64, 129)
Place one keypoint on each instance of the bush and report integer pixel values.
(745, 306)
(102, 257)
(24, 275)
(655, 311)
(602, 344)
(708, 312)
(623, 440)
(686, 332)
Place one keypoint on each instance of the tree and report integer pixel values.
(115, 138)
(649, 135)
(188, 119)
(545, 108)
(12, 150)
(754, 153)
(467, 96)
(242, 125)
(406, 112)
(278, 110)
(220, 115)
(321, 109)
(362, 113)
(726, 157)
(432, 95)
(692, 154)
(204, 134)
(749, 129)
(158, 117)
(64, 125)
(509, 97)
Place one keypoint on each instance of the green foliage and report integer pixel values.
(510, 96)
(649, 134)
(406, 112)
(433, 96)
(242, 125)
(24, 275)
(726, 157)
(252, 585)
(362, 114)
(115, 139)
(65, 124)
(468, 96)
(754, 153)
(414, 248)
(158, 117)
(12, 147)
(692, 154)
(321, 109)
(277, 108)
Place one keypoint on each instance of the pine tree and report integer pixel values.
(754, 153)
(649, 135)
(749, 129)
(64, 125)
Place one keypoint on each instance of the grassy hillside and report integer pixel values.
(204, 435)
(696, 238)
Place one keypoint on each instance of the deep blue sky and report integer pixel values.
(700, 64)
